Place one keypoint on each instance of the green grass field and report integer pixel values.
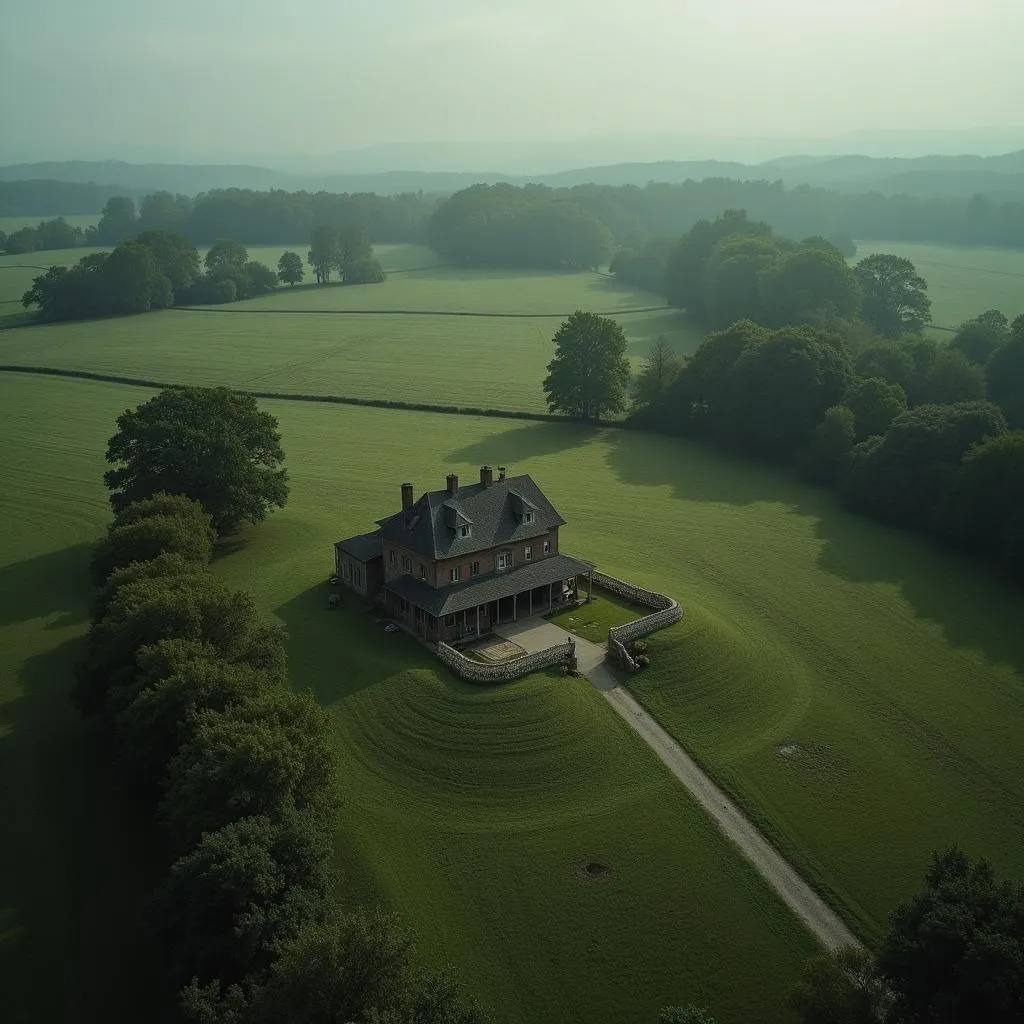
(963, 281)
(480, 361)
(468, 809)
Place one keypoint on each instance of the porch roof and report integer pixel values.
(447, 600)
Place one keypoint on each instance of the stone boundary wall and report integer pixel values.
(667, 611)
(480, 672)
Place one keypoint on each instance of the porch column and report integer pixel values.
(497, 612)
(515, 607)
(478, 620)
(531, 600)
(551, 600)
(590, 586)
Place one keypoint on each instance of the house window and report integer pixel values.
(528, 518)
(527, 552)
(503, 560)
(547, 547)
(464, 531)
(423, 571)
(453, 575)
(474, 569)
(449, 620)
(393, 557)
(406, 563)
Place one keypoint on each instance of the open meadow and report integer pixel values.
(963, 281)
(430, 336)
(470, 810)
(857, 691)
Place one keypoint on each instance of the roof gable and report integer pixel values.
(495, 513)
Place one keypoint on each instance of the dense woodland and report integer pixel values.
(535, 225)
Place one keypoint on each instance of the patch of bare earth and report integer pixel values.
(594, 871)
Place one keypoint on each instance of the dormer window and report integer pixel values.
(464, 531)
(527, 517)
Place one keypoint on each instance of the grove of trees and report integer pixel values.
(912, 433)
(237, 768)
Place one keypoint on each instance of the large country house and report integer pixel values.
(456, 562)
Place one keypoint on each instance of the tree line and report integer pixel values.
(236, 767)
(489, 224)
(157, 269)
(910, 432)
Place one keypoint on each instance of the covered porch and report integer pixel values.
(462, 613)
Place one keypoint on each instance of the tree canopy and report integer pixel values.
(895, 298)
(210, 444)
(589, 374)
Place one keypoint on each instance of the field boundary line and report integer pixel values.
(413, 312)
(283, 396)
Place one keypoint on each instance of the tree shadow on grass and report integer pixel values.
(337, 652)
(518, 443)
(974, 608)
(77, 869)
(57, 582)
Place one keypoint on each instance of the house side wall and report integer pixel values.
(488, 559)
(353, 574)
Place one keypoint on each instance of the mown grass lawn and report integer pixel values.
(482, 362)
(469, 810)
(593, 619)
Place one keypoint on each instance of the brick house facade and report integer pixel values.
(456, 561)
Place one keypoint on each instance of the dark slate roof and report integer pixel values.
(446, 600)
(493, 512)
(362, 548)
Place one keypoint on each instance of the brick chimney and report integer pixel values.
(406, 497)
(501, 472)
(486, 476)
(453, 485)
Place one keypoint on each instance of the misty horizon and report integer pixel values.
(525, 88)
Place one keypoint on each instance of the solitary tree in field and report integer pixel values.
(590, 373)
(210, 444)
(118, 220)
(289, 268)
(894, 296)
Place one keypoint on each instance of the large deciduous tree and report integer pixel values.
(589, 376)
(841, 987)
(225, 253)
(955, 951)
(782, 387)
(894, 296)
(323, 252)
(289, 268)
(980, 336)
(117, 222)
(210, 444)
(176, 255)
(902, 477)
(811, 285)
(875, 403)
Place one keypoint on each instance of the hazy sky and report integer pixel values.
(233, 78)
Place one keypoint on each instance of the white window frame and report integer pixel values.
(454, 573)
(547, 547)
(423, 571)
(528, 553)
(528, 517)
(474, 568)
(465, 531)
(407, 564)
(504, 561)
